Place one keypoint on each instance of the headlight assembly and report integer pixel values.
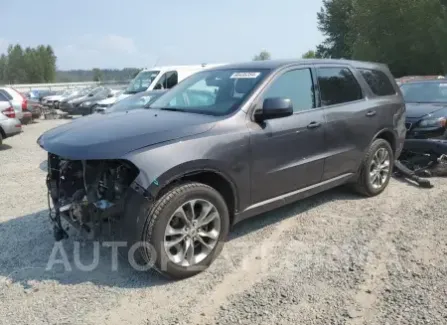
(433, 122)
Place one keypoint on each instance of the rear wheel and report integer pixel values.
(1, 138)
(186, 230)
(375, 171)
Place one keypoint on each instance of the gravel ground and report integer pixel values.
(331, 259)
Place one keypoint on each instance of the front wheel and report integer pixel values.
(186, 230)
(375, 171)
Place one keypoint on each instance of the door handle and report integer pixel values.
(371, 113)
(314, 125)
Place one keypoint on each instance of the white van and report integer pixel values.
(164, 77)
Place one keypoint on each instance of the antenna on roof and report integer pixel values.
(156, 62)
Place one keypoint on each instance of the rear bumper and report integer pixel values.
(19, 114)
(11, 127)
(26, 117)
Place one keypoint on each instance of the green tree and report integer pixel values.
(262, 56)
(50, 64)
(333, 21)
(97, 74)
(33, 66)
(407, 35)
(309, 55)
(3, 68)
(16, 72)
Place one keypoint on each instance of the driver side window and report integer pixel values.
(296, 85)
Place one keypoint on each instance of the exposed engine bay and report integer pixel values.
(86, 193)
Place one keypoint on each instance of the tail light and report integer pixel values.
(9, 112)
(24, 104)
(24, 100)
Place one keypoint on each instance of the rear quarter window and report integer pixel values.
(6, 94)
(3, 98)
(378, 81)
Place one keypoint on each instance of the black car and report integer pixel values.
(140, 100)
(426, 102)
(84, 105)
(252, 137)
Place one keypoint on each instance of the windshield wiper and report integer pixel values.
(130, 92)
(174, 109)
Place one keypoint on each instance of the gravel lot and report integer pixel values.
(331, 259)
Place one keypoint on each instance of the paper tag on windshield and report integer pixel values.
(245, 75)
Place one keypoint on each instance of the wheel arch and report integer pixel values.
(387, 135)
(197, 172)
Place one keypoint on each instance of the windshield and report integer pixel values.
(425, 92)
(141, 82)
(212, 92)
(141, 100)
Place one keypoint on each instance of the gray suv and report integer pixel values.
(224, 145)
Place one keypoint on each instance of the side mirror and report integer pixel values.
(274, 108)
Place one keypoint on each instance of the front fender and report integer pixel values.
(159, 166)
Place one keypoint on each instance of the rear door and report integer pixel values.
(351, 120)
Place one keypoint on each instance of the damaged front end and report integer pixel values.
(86, 193)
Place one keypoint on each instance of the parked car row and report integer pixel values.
(17, 109)
(10, 115)
(98, 99)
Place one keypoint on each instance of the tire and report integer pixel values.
(157, 222)
(364, 184)
(1, 138)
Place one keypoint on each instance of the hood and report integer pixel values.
(81, 99)
(113, 135)
(107, 101)
(53, 97)
(122, 96)
(419, 110)
(72, 96)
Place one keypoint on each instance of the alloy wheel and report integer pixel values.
(192, 232)
(379, 170)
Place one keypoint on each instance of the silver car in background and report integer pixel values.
(9, 123)
(18, 101)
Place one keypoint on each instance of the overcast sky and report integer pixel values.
(139, 33)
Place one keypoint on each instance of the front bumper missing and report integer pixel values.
(86, 195)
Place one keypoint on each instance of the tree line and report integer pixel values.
(38, 65)
(97, 74)
(29, 65)
(408, 35)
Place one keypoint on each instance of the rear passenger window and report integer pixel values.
(338, 85)
(6, 94)
(296, 85)
(378, 82)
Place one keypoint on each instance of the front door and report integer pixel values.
(287, 153)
